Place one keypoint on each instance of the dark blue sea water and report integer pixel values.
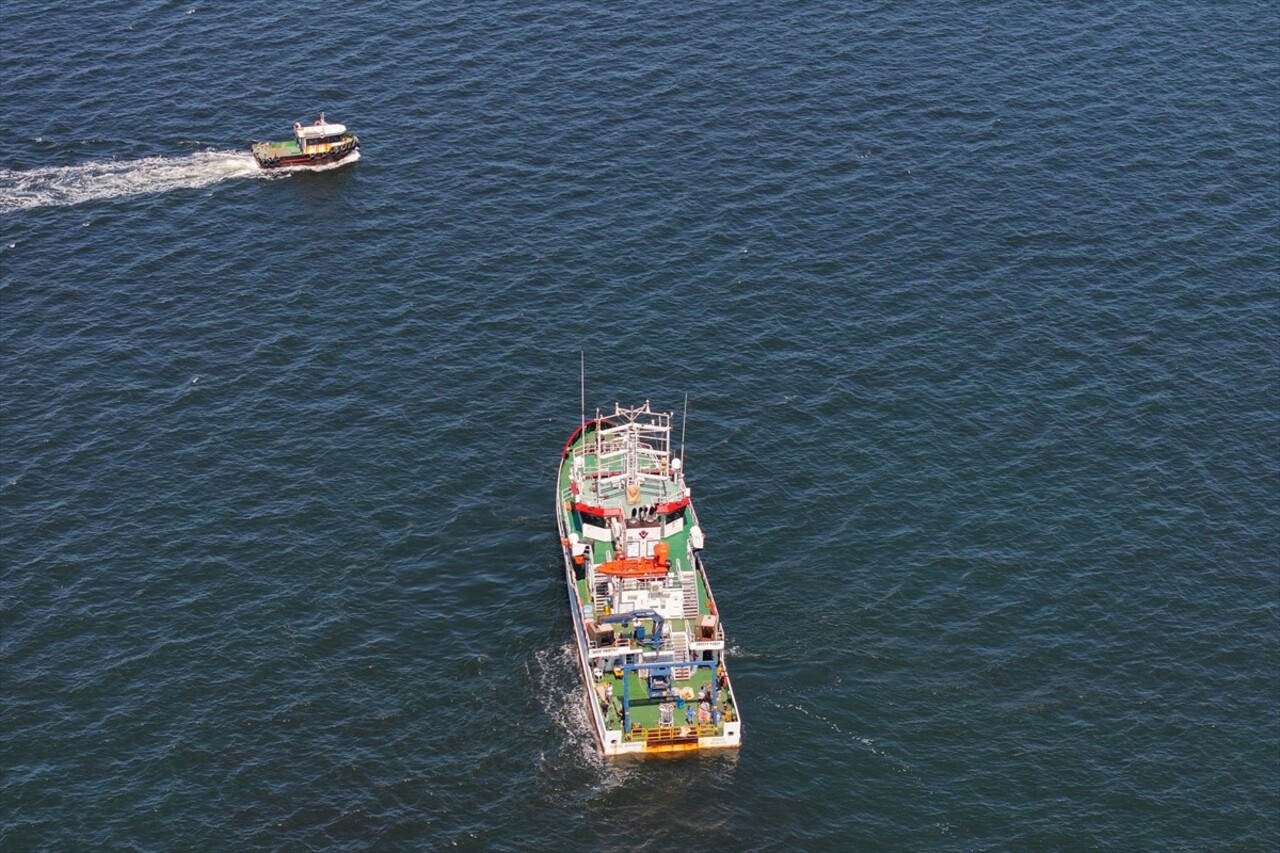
(977, 307)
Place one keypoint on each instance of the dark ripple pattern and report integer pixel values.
(976, 306)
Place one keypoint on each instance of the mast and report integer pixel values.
(684, 422)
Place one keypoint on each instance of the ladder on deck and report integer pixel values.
(597, 600)
(689, 589)
(689, 586)
(680, 646)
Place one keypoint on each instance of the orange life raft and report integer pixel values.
(633, 567)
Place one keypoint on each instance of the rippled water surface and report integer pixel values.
(976, 306)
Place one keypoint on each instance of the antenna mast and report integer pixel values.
(684, 422)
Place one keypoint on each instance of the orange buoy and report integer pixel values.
(660, 553)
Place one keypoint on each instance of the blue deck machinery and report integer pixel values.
(654, 642)
(660, 678)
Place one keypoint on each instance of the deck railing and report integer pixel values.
(673, 734)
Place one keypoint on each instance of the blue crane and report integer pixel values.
(654, 642)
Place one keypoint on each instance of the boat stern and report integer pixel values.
(272, 154)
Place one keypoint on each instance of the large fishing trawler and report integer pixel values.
(648, 634)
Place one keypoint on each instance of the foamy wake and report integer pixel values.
(561, 696)
(67, 185)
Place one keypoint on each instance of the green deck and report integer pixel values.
(644, 711)
(282, 148)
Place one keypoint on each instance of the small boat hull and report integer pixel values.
(286, 155)
(320, 145)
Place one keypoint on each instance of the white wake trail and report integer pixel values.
(60, 186)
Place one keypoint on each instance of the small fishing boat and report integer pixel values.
(648, 635)
(318, 144)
